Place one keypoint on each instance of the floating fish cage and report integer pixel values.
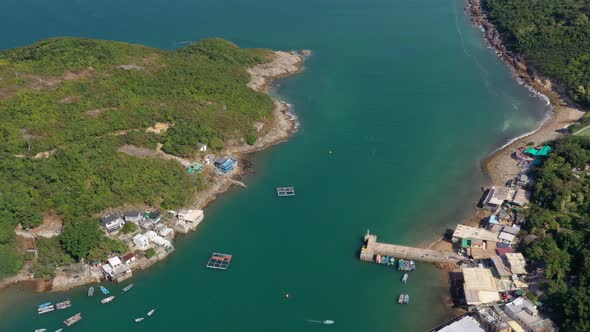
(285, 191)
(219, 261)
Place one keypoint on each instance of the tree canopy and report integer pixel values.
(68, 105)
(552, 35)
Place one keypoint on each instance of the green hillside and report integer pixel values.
(68, 104)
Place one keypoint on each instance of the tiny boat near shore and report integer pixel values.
(45, 309)
(400, 299)
(73, 320)
(406, 299)
(151, 312)
(137, 320)
(59, 330)
(104, 290)
(40, 330)
(46, 304)
(63, 305)
(90, 291)
(107, 299)
(127, 288)
(405, 278)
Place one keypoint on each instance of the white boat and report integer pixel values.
(137, 320)
(151, 312)
(127, 288)
(40, 330)
(58, 330)
(328, 322)
(405, 278)
(47, 309)
(107, 299)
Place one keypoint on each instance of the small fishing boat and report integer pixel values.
(378, 259)
(104, 290)
(127, 288)
(137, 320)
(46, 304)
(40, 330)
(328, 322)
(107, 299)
(391, 261)
(58, 330)
(73, 320)
(151, 312)
(405, 278)
(406, 299)
(46, 309)
(400, 299)
(63, 305)
(90, 291)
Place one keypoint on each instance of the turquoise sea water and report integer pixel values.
(408, 99)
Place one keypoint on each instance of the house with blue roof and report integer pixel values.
(225, 164)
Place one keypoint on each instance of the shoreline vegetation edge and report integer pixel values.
(284, 124)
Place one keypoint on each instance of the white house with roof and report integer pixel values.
(527, 315)
(112, 223)
(116, 270)
(141, 242)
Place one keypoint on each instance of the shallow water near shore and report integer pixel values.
(404, 94)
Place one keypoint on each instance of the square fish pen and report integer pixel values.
(219, 261)
(285, 191)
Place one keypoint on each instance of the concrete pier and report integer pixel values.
(371, 248)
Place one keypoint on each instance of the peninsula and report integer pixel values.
(102, 141)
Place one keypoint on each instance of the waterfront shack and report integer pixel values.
(463, 323)
(476, 240)
(225, 164)
(517, 263)
(116, 270)
(480, 287)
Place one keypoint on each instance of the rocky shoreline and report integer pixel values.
(282, 125)
(500, 165)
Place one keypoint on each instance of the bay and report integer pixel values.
(404, 94)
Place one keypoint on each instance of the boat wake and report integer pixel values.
(325, 322)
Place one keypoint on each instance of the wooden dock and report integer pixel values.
(371, 248)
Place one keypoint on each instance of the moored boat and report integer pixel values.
(328, 322)
(63, 305)
(40, 330)
(127, 288)
(45, 309)
(405, 278)
(151, 312)
(104, 290)
(73, 320)
(400, 299)
(406, 299)
(59, 330)
(90, 291)
(46, 304)
(107, 299)
(137, 320)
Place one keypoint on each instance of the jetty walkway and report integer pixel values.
(371, 248)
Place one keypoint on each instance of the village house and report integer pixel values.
(112, 223)
(495, 197)
(188, 220)
(151, 219)
(128, 258)
(527, 315)
(478, 242)
(116, 270)
(479, 286)
(141, 241)
(517, 263)
(134, 216)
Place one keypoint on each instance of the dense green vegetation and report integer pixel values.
(559, 218)
(68, 104)
(552, 35)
